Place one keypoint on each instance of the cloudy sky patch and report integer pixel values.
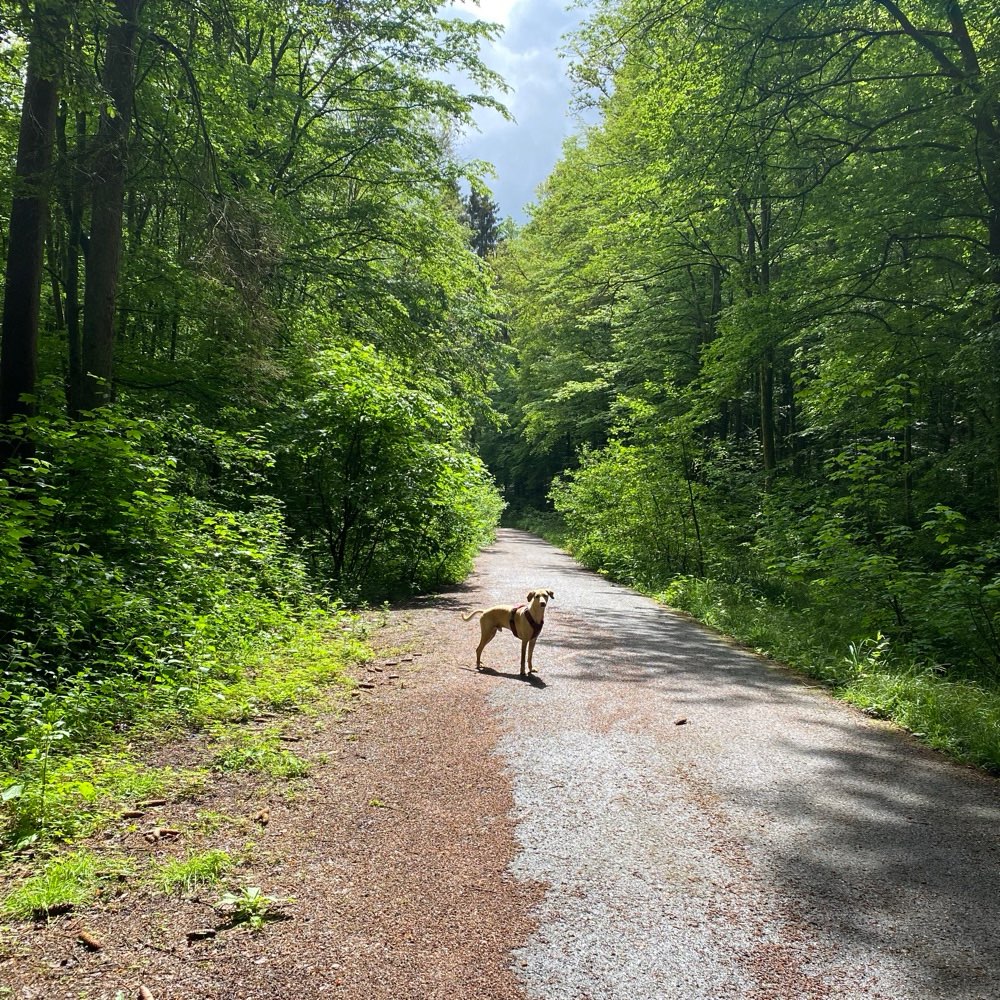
(527, 57)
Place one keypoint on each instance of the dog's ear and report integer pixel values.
(551, 593)
(531, 595)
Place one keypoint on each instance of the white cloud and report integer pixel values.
(526, 56)
(487, 10)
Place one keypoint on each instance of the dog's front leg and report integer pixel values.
(524, 647)
(531, 653)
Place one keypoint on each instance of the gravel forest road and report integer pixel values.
(707, 825)
(659, 815)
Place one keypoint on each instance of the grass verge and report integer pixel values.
(958, 716)
(65, 783)
(70, 880)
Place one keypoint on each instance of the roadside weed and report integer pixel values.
(65, 774)
(30, 799)
(249, 906)
(193, 872)
(259, 753)
(49, 802)
(67, 880)
(867, 655)
(958, 717)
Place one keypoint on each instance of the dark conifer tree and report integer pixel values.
(480, 215)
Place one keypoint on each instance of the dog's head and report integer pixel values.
(539, 598)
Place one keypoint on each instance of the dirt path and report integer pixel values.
(390, 861)
(659, 816)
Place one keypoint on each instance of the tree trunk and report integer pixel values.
(72, 204)
(767, 435)
(103, 258)
(28, 217)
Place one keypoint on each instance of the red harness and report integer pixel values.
(536, 627)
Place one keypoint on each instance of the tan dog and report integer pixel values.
(525, 621)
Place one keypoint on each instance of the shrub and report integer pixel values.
(394, 501)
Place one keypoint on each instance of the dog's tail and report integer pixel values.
(478, 611)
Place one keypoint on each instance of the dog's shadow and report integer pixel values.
(533, 679)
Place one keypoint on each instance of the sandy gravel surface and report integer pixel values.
(659, 816)
(711, 827)
(390, 860)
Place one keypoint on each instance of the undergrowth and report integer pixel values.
(61, 790)
(148, 586)
(286, 675)
(80, 792)
(61, 780)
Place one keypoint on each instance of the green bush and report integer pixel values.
(117, 589)
(631, 512)
(379, 487)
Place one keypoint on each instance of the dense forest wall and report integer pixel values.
(246, 337)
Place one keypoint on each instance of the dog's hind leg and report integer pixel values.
(488, 632)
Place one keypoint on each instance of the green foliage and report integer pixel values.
(193, 872)
(258, 753)
(479, 213)
(250, 906)
(652, 509)
(96, 527)
(286, 196)
(51, 796)
(291, 240)
(394, 501)
(131, 600)
(116, 584)
(291, 671)
(71, 879)
(958, 717)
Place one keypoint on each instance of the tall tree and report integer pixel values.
(29, 211)
(480, 215)
(110, 166)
